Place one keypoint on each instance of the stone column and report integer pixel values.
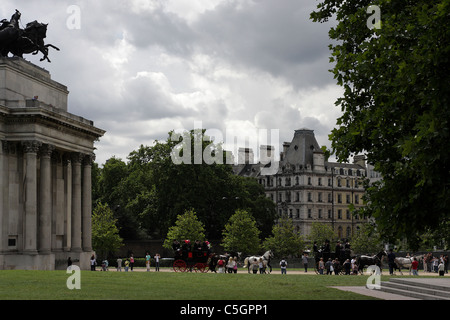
(45, 204)
(87, 202)
(68, 201)
(76, 201)
(31, 149)
(4, 180)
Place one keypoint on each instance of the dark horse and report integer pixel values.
(32, 41)
(20, 42)
(365, 261)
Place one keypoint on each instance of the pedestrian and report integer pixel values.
(347, 266)
(283, 266)
(127, 265)
(329, 266)
(441, 269)
(261, 266)
(435, 264)
(446, 263)
(391, 261)
(69, 262)
(93, 263)
(131, 262)
(336, 266)
(147, 261)
(220, 264)
(415, 267)
(305, 262)
(321, 266)
(230, 265)
(157, 257)
(235, 267)
(119, 265)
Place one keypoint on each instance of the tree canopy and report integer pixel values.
(395, 108)
(148, 193)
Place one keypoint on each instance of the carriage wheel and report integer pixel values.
(179, 266)
(201, 267)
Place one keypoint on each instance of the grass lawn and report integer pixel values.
(51, 285)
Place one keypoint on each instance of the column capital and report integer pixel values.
(88, 159)
(31, 146)
(77, 157)
(47, 150)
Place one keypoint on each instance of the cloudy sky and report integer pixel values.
(141, 68)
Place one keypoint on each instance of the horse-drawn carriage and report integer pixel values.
(191, 258)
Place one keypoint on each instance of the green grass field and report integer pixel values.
(51, 285)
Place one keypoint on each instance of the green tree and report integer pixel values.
(105, 234)
(285, 241)
(320, 232)
(241, 233)
(367, 240)
(395, 107)
(188, 227)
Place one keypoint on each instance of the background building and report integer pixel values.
(309, 189)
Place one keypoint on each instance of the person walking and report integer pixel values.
(283, 266)
(391, 261)
(131, 262)
(147, 261)
(119, 264)
(415, 267)
(261, 266)
(321, 266)
(157, 257)
(93, 263)
(305, 262)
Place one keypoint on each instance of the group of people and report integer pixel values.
(224, 265)
(349, 266)
(430, 263)
(435, 264)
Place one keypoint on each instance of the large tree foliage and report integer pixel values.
(105, 233)
(395, 107)
(187, 227)
(241, 234)
(149, 192)
(285, 241)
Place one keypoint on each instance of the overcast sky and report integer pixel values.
(141, 68)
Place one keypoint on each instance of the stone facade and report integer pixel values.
(308, 189)
(46, 155)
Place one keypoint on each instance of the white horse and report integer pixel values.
(406, 262)
(254, 260)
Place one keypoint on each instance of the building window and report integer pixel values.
(348, 214)
(320, 197)
(347, 198)
(309, 213)
(339, 198)
(309, 197)
(356, 199)
(298, 213)
(329, 214)
(320, 213)
(330, 198)
(339, 214)
(309, 181)
(320, 181)
(297, 196)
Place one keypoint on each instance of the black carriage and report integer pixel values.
(341, 256)
(192, 258)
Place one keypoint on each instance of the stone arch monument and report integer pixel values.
(45, 172)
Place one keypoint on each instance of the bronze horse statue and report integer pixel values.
(20, 42)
